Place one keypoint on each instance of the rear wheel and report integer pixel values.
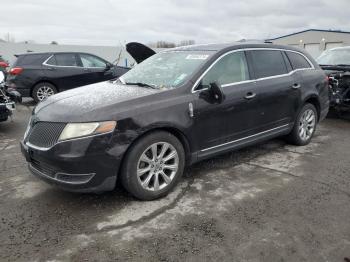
(305, 126)
(42, 91)
(153, 166)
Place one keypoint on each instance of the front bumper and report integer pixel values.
(81, 165)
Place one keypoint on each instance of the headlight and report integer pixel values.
(74, 130)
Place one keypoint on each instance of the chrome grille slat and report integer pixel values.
(45, 134)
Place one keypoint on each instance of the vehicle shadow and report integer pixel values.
(333, 114)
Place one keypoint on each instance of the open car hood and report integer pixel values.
(139, 51)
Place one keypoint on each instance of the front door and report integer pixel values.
(216, 124)
(95, 69)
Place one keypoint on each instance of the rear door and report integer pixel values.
(64, 70)
(95, 69)
(278, 91)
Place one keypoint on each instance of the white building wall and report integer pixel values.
(315, 42)
(110, 53)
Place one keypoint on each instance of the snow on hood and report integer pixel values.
(88, 98)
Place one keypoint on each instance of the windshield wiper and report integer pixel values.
(141, 84)
(343, 65)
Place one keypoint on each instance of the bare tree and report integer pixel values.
(165, 44)
(162, 44)
(187, 42)
(9, 38)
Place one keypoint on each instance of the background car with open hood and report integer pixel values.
(40, 75)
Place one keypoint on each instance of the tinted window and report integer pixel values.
(231, 68)
(35, 59)
(268, 63)
(91, 61)
(297, 60)
(66, 60)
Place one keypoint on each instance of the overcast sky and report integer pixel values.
(110, 22)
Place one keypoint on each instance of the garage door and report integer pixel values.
(333, 45)
(313, 49)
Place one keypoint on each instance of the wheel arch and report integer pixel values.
(170, 129)
(314, 100)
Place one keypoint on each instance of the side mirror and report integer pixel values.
(2, 77)
(217, 92)
(108, 66)
(213, 94)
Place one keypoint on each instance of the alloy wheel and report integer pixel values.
(157, 166)
(44, 92)
(307, 124)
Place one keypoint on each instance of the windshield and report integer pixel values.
(166, 69)
(334, 57)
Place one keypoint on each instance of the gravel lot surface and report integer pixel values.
(270, 202)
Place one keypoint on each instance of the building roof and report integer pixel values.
(309, 30)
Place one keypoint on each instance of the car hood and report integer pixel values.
(139, 51)
(90, 103)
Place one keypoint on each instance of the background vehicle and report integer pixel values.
(40, 75)
(7, 99)
(3, 65)
(336, 64)
(178, 107)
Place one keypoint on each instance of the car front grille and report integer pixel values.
(45, 134)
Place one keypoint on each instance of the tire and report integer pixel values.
(307, 120)
(43, 90)
(140, 160)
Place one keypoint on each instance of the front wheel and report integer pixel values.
(153, 166)
(304, 126)
(42, 91)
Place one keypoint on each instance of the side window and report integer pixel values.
(31, 59)
(268, 63)
(91, 61)
(66, 60)
(232, 68)
(297, 60)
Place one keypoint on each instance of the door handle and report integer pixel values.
(51, 68)
(87, 70)
(296, 86)
(250, 95)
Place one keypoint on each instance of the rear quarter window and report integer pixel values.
(27, 60)
(51, 60)
(297, 60)
(268, 63)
